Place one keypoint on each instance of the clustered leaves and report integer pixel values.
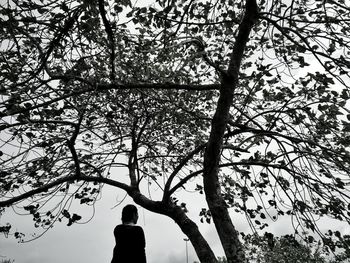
(268, 248)
(92, 88)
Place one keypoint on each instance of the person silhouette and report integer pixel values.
(129, 239)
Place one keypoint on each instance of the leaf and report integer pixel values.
(118, 9)
(337, 234)
(76, 217)
(65, 213)
(264, 175)
(64, 7)
(272, 202)
(167, 9)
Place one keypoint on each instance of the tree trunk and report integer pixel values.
(227, 233)
(188, 227)
(216, 203)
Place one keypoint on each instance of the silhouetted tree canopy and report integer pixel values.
(268, 248)
(246, 101)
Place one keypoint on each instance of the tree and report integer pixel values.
(271, 249)
(248, 98)
(268, 248)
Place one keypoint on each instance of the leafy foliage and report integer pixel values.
(269, 249)
(255, 91)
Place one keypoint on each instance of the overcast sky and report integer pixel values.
(93, 242)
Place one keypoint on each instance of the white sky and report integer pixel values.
(93, 242)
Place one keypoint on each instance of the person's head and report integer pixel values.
(129, 214)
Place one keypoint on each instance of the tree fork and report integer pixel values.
(188, 227)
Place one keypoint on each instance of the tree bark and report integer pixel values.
(227, 233)
(188, 227)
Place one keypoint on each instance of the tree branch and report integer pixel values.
(60, 181)
(62, 31)
(316, 54)
(106, 87)
(167, 191)
(217, 205)
(110, 37)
